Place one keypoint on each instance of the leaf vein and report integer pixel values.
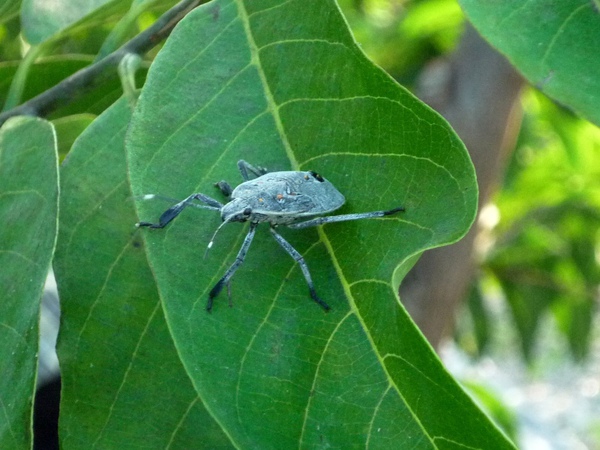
(266, 89)
(126, 374)
(354, 310)
(279, 5)
(316, 376)
(193, 117)
(19, 335)
(560, 31)
(375, 411)
(181, 421)
(297, 41)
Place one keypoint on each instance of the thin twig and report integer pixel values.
(93, 75)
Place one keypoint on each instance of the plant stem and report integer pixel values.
(18, 84)
(93, 75)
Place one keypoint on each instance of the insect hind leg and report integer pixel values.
(239, 259)
(300, 260)
(344, 218)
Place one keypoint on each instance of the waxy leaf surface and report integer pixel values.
(553, 44)
(283, 85)
(123, 383)
(29, 217)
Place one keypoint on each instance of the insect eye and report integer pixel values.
(247, 211)
(317, 176)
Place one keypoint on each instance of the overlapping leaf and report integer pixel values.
(28, 211)
(123, 384)
(282, 84)
(555, 46)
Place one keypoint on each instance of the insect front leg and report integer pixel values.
(344, 217)
(175, 210)
(300, 260)
(239, 259)
(225, 188)
(246, 167)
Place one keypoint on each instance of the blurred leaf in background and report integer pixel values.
(555, 47)
(544, 251)
(401, 36)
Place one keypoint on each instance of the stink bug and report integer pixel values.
(279, 198)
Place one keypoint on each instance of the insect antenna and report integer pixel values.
(212, 239)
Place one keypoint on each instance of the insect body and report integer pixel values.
(279, 198)
(282, 198)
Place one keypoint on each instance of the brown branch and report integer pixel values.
(89, 77)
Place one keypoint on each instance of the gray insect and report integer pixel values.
(279, 198)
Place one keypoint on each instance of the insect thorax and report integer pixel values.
(282, 198)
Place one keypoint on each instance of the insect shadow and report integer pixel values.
(280, 198)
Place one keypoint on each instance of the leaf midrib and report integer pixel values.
(272, 106)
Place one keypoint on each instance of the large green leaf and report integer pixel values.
(28, 211)
(555, 46)
(123, 384)
(282, 84)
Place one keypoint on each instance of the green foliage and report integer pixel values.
(403, 36)
(47, 19)
(9, 9)
(281, 84)
(119, 367)
(547, 235)
(274, 370)
(556, 224)
(362, 373)
(28, 208)
(545, 251)
(504, 416)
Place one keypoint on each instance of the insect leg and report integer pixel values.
(239, 259)
(175, 210)
(344, 217)
(246, 167)
(300, 260)
(225, 188)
